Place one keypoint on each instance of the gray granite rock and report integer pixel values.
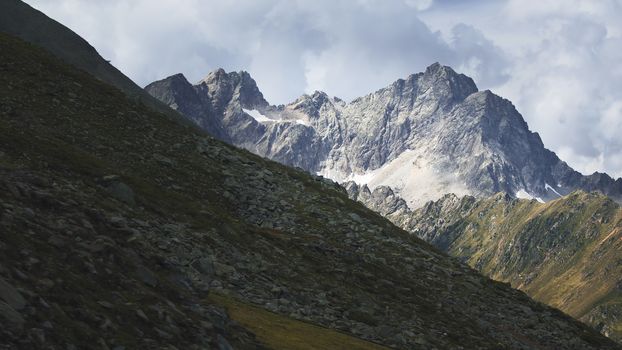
(461, 140)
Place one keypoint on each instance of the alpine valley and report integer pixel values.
(125, 226)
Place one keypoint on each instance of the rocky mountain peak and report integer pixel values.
(172, 89)
(446, 83)
(313, 103)
(236, 86)
(220, 76)
(177, 78)
(216, 75)
(438, 70)
(317, 97)
(423, 136)
(411, 80)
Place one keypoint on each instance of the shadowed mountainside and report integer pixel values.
(21, 20)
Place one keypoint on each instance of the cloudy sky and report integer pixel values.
(558, 61)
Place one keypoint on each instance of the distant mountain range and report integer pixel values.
(424, 136)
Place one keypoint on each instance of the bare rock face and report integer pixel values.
(424, 136)
(381, 200)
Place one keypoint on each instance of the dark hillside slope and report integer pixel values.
(19, 19)
(117, 223)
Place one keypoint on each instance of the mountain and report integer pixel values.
(564, 253)
(424, 136)
(21, 20)
(122, 228)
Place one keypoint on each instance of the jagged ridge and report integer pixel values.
(424, 136)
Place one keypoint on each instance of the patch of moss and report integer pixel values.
(280, 332)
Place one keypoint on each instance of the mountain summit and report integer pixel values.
(429, 134)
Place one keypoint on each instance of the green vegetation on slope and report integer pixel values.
(566, 253)
(283, 333)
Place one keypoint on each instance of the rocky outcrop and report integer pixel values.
(424, 136)
(381, 200)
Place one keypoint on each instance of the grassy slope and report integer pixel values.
(62, 132)
(565, 253)
(284, 333)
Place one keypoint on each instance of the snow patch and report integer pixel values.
(273, 118)
(362, 178)
(298, 121)
(548, 187)
(257, 115)
(522, 194)
(411, 175)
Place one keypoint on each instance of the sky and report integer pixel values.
(558, 61)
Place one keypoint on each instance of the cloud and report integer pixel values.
(563, 70)
(346, 48)
(566, 79)
(479, 57)
(560, 62)
(369, 47)
(420, 5)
